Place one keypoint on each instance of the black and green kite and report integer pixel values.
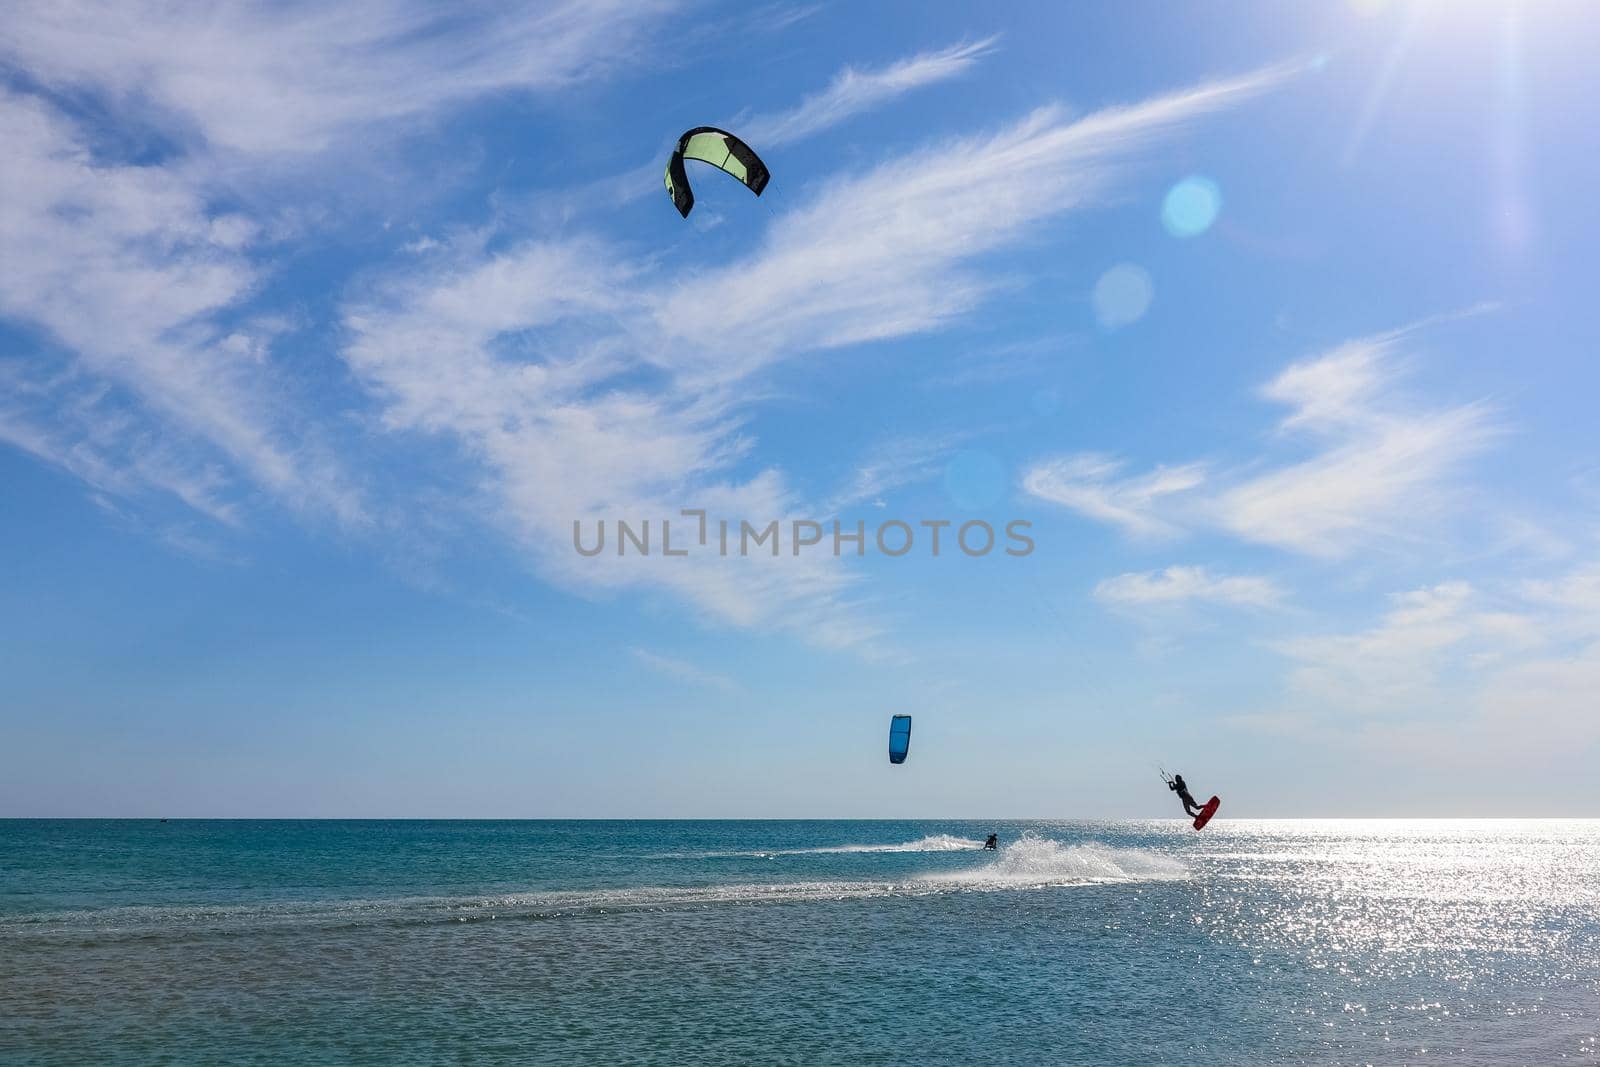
(722, 150)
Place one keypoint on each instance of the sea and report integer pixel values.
(804, 942)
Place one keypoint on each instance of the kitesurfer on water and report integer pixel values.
(993, 843)
(1178, 786)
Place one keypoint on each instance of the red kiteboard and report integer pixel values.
(1206, 812)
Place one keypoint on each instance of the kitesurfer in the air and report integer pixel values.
(1178, 786)
(993, 843)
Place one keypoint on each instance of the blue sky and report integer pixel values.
(319, 328)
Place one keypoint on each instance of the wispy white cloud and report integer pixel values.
(1181, 585)
(1090, 484)
(134, 279)
(896, 463)
(1384, 464)
(1576, 595)
(854, 91)
(76, 430)
(684, 672)
(124, 270)
(1395, 666)
(561, 438)
(1456, 673)
(289, 78)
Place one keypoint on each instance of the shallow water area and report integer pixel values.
(813, 942)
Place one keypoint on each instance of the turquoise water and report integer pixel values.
(799, 942)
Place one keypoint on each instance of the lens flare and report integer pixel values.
(1191, 206)
(1122, 295)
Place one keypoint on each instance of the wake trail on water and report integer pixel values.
(1040, 861)
(930, 843)
(1030, 863)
